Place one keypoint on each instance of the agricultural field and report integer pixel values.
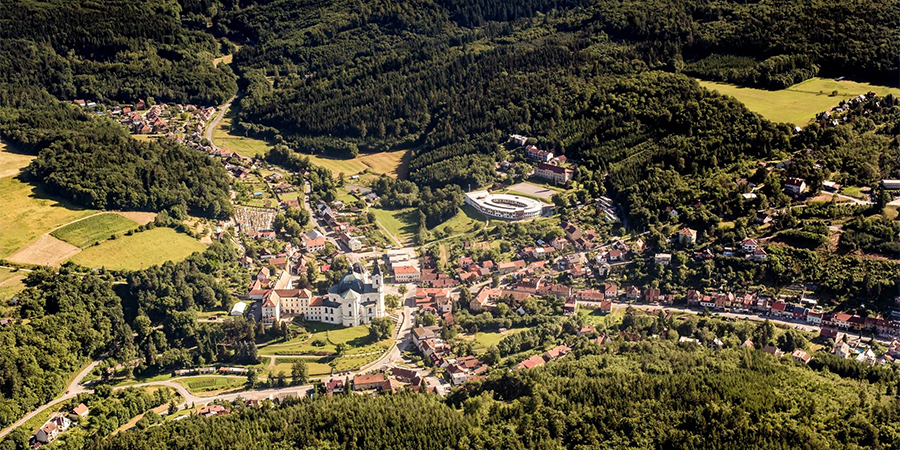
(799, 103)
(323, 340)
(140, 250)
(400, 223)
(211, 384)
(11, 161)
(93, 229)
(29, 212)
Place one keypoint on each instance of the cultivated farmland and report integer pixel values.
(93, 229)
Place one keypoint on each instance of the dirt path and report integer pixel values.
(134, 420)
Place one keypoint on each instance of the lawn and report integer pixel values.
(317, 367)
(465, 221)
(140, 250)
(210, 384)
(853, 191)
(357, 338)
(799, 103)
(28, 212)
(401, 223)
(484, 339)
(93, 229)
(595, 317)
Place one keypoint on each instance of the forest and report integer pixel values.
(108, 52)
(601, 82)
(625, 395)
(148, 324)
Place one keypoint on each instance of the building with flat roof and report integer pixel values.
(504, 206)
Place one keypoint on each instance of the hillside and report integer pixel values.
(596, 81)
(642, 395)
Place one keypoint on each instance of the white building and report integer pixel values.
(358, 298)
(406, 274)
(504, 206)
(238, 309)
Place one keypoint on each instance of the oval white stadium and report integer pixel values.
(504, 206)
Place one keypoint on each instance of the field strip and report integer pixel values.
(45, 251)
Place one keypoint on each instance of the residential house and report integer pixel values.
(81, 411)
(422, 334)
(368, 381)
(759, 255)
(841, 349)
(801, 356)
(606, 306)
(663, 258)
(334, 386)
(52, 429)
(632, 293)
(611, 291)
(749, 245)
(763, 218)
(651, 295)
(795, 186)
(774, 351)
(687, 236)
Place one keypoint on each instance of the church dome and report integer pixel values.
(352, 281)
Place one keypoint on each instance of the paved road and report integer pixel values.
(742, 316)
(73, 389)
(212, 125)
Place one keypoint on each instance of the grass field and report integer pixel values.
(391, 163)
(319, 366)
(465, 221)
(401, 223)
(87, 231)
(799, 103)
(357, 338)
(210, 384)
(12, 162)
(140, 250)
(10, 285)
(28, 212)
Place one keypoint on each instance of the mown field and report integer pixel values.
(28, 212)
(399, 222)
(93, 229)
(799, 103)
(11, 161)
(140, 250)
(317, 367)
(10, 285)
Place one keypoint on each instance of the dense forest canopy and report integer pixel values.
(629, 395)
(598, 81)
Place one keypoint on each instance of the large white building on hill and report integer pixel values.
(504, 206)
(356, 300)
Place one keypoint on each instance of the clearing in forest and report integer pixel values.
(799, 103)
